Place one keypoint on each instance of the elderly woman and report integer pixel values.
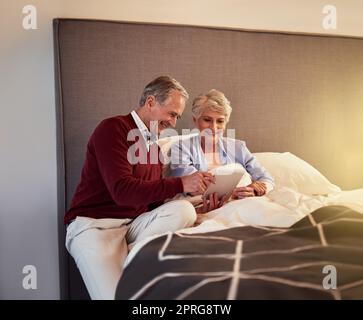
(209, 149)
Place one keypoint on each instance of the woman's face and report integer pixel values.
(212, 120)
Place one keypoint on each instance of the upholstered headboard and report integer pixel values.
(297, 93)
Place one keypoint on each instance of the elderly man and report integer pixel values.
(112, 186)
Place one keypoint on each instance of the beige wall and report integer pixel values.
(28, 220)
(28, 203)
(277, 15)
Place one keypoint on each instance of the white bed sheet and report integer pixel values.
(280, 208)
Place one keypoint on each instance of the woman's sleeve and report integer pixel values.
(181, 163)
(254, 168)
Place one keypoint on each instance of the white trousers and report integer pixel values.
(99, 246)
(171, 216)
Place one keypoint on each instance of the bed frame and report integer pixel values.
(289, 92)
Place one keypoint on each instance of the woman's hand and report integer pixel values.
(211, 203)
(243, 192)
(256, 188)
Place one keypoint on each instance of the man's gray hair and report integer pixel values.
(213, 100)
(161, 88)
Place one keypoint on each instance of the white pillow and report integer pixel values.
(290, 171)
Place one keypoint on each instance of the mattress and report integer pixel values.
(103, 263)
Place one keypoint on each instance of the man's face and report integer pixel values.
(166, 114)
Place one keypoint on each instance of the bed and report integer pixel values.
(252, 262)
(273, 79)
(285, 239)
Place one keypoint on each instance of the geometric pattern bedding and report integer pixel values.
(319, 257)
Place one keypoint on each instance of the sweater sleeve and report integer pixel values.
(110, 147)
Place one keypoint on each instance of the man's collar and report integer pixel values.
(139, 123)
(149, 139)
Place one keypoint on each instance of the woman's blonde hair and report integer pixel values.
(213, 100)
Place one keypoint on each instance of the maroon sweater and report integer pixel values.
(110, 186)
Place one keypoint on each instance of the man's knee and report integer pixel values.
(184, 213)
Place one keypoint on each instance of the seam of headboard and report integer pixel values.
(145, 23)
(61, 175)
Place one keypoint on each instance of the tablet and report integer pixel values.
(226, 179)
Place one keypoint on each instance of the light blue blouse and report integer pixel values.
(188, 157)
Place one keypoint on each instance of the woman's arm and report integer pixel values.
(182, 162)
(253, 167)
(262, 181)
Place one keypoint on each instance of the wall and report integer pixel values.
(277, 15)
(28, 204)
(28, 221)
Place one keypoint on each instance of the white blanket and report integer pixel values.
(99, 247)
(281, 208)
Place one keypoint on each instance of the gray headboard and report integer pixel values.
(297, 93)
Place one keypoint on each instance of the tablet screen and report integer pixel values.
(226, 179)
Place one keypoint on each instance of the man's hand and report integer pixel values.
(197, 182)
(211, 203)
(254, 189)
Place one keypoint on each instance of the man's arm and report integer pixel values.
(110, 147)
